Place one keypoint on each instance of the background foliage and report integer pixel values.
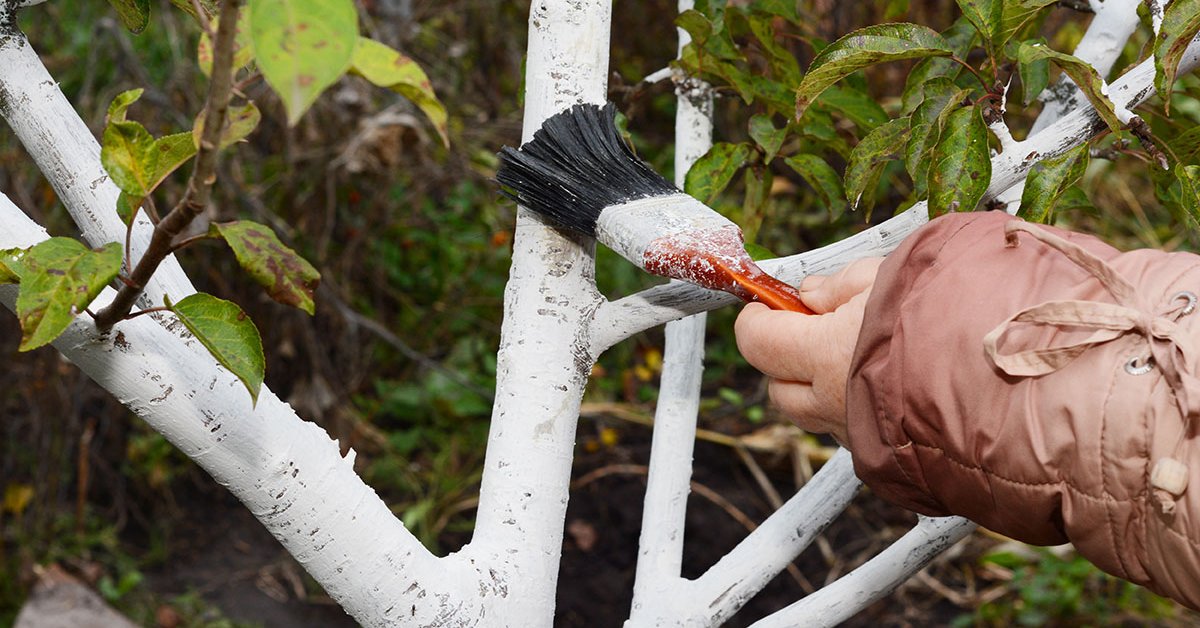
(413, 246)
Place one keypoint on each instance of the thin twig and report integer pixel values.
(200, 185)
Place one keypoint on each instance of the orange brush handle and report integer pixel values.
(772, 292)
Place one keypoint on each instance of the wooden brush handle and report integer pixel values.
(776, 294)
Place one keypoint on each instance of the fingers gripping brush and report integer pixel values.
(578, 173)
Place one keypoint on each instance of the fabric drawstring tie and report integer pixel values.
(1170, 348)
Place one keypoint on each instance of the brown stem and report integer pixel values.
(189, 241)
(203, 174)
(982, 81)
(1141, 130)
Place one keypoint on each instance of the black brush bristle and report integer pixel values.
(576, 165)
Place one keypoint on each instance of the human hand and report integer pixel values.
(807, 357)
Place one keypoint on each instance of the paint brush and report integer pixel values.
(578, 173)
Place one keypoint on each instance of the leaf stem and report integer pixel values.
(982, 82)
(149, 310)
(199, 189)
(189, 241)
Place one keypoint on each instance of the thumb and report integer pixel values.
(828, 293)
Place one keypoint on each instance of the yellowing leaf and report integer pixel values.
(17, 498)
(228, 334)
(388, 68)
(10, 265)
(121, 103)
(59, 278)
(243, 47)
(302, 47)
(127, 153)
(239, 122)
(170, 152)
(288, 278)
(136, 161)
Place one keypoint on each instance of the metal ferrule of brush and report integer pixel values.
(636, 228)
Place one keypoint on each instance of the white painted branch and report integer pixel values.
(1113, 24)
(745, 570)
(67, 153)
(660, 547)
(619, 319)
(840, 600)
(287, 471)
(545, 356)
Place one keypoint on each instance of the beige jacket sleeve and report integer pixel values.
(1031, 380)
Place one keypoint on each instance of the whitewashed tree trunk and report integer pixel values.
(291, 476)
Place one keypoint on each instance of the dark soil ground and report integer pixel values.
(226, 556)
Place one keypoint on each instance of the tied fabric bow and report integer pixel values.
(1170, 348)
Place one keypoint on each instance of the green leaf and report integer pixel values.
(228, 334)
(764, 133)
(856, 105)
(126, 205)
(776, 95)
(865, 47)
(710, 36)
(388, 68)
(757, 183)
(210, 7)
(712, 173)
(302, 47)
(1035, 75)
(1181, 23)
(894, 9)
(961, 168)
(783, 63)
(239, 123)
(869, 157)
(11, 266)
(1189, 179)
(961, 35)
(942, 97)
(759, 252)
(288, 278)
(1084, 75)
(243, 46)
(986, 15)
(822, 178)
(1017, 15)
(127, 154)
(59, 278)
(1048, 180)
(1185, 147)
(134, 14)
(783, 8)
